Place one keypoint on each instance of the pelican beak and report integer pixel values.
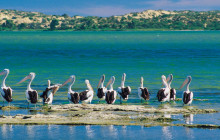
(25, 78)
(123, 77)
(168, 78)
(55, 89)
(109, 82)
(184, 83)
(48, 82)
(67, 81)
(99, 82)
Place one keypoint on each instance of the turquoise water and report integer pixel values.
(104, 132)
(88, 55)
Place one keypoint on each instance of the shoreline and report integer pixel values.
(101, 114)
(106, 30)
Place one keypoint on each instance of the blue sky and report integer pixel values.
(106, 7)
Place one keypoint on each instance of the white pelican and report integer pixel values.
(102, 90)
(163, 94)
(87, 95)
(6, 92)
(143, 91)
(72, 95)
(111, 94)
(49, 92)
(172, 90)
(187, 95)
(31, 95)
(123, 91)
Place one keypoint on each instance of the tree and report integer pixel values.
(65, 16)
(22, 26)
(53, 24)
(64, 26)
(8, 24)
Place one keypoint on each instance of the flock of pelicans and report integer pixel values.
(109, 95)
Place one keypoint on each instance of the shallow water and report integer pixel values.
(104, 132)
(88, 55)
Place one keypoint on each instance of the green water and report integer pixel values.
(88, 55)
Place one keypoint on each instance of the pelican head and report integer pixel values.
(123, 77)
(142, 79)
(142, 82)
(48, 83)
(187, 81)
(111, 81)
(88, 84)
(170, 78)
(102, 79)
(4, 72)
(163, 77)
(30, 76)
(71, 79)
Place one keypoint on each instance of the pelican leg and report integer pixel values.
(120, 101)
(27, 104)
(3, 103)
(99, 102)
(35, 106)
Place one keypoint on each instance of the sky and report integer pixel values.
(105, 8)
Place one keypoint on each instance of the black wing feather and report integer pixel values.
(75, 97)
(83, 95)
(145, 93)
(8, 94)
(33, 96)
(125, 92)
(109, 97)
(172, 93)
(186, 97)
(161, 95)
(100, 93)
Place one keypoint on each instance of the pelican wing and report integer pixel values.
(33, 96)
(83, 95)
(75, 97)
(110, 97)
(7, 94)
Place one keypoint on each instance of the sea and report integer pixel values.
(88, 55)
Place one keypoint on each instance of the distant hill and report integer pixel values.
(146, 20)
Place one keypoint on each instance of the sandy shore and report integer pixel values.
(103, 114)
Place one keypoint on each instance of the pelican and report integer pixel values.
(172, 90)
(31, 95)
(87, 95)
(72, 95)
(123, 91)
(143, 91)
(6, 92)
(111, 94)
(102, 90)
(47, 94)
(163, 94)
(187, 95)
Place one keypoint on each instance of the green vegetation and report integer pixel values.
(146, 20)
(53, 24)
